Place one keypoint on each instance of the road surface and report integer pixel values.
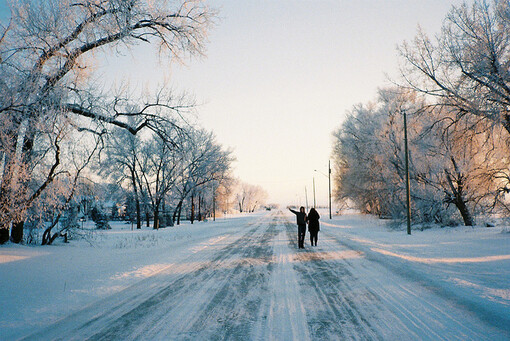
(255, 284)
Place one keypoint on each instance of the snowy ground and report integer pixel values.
(244, 279)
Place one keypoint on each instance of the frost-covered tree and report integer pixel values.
(120, 164)
(467, 66)
(168, 171)
(450, 166)
(250, 197)
(56, 194)
(159, 170)
(465, 74)
(46, 51)
(225, 194)
(355, 148)
(473, 158)
(202, 161)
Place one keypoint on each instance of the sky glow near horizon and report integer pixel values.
(279, 76)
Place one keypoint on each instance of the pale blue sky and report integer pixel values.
(279, 76)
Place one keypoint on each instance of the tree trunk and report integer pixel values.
(137, 201)
(138, 214)
(163, 221)
(192, 218)
(26, 156)
(11, 136)
(47, 239)
(458, 198)
(177, 213)
(17, 232)
(464, 212)
(5, 206)
(155, 225)
(199, 208)
(4, 235)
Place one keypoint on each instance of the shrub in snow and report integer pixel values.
(142, 240)
(100, 219)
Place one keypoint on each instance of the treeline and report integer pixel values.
(456, 95)
(59, 129)
(190, 177)
(161, 174)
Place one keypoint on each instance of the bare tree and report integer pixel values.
(356, 161)
(465, 72)
(44, 54)
(225, 193)
(203, 161)
(120, 163)
(250, 197)
(450, 164)
(467, 66)
(159, 171)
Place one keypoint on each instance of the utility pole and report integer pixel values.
(306, 199)
(329, 184)
(329, 180)
(408, 190)
(314, 203)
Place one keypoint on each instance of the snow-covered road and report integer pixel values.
(253, 283)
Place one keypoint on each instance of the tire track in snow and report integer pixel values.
(405, 305)
(331, 313)
(238, 302)
(177, 311)
(283, 316)
(348, 296)
(147, 307)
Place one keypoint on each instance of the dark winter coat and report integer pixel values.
(300, 217)
(313, 221)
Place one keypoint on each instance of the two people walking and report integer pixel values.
(313, 225)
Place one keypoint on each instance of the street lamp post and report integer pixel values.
(329, 185)
(306, 199)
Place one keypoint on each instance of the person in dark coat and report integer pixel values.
(301, 222)
(313, 225)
